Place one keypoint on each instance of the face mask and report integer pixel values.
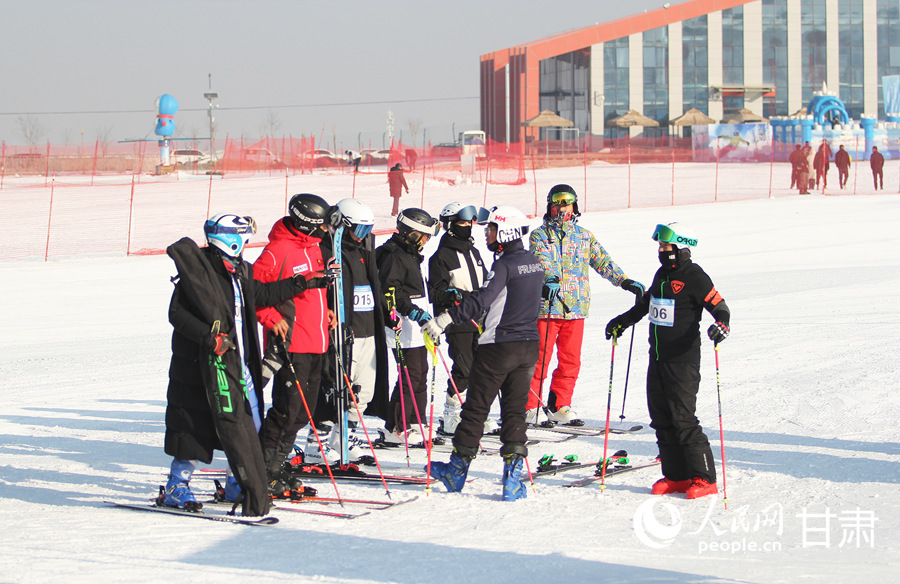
(461, 231)
(558, 217)
(668, 259)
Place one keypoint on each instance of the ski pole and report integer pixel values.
(391, 300)
(721, 431)
(627, 374)
(309, 416)
(363, 424)
(612, 362)
(431, 346)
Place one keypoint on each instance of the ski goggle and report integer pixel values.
(469, 213)
(361, 231)
(563, 198)
(666, 234)
(235, 224)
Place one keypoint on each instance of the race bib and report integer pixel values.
(363, 299)
(662, 311)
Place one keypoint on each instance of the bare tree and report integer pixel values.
(103, 133)
(414, 126)
(30, 129)
(271, 124)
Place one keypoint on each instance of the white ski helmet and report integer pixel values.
(511, 223)
(356, 216)
(675, 233)
(230, 233)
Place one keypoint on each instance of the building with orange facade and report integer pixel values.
(767, 56)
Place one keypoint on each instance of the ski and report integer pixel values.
(587, 430)
(368, 502)
(196, 515)
(335, 514)
(341, 397)
(546, 468)
(612, 472)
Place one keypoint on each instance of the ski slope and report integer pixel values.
(809, 397)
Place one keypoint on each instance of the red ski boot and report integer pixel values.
(665, 486)
(701, 488)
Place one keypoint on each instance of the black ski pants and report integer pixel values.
(672, 399)
(415, 361)
(461, 348)
(504, 368)
(287, 414)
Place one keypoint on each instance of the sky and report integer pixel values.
(329, 69)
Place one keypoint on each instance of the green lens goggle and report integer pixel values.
(666, 234)
(563, 198)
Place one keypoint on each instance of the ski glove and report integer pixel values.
(311, 280)
(635, 288)
(550, 291)
(219, 343)
(718, 332)
(452, 296)
(419, 315)
(436, 326)
(617, 326)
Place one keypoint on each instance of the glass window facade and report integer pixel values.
(565, 87)
(733, 54)
(775, 61)
(695, 64)
(812, 47)
(615, 84)
(656, 79)
(888, 45)
(850, 33)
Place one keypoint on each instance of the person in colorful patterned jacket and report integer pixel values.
(567, 252)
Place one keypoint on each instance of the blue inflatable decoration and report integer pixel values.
(165, 120)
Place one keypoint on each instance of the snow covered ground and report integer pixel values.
(809, 404)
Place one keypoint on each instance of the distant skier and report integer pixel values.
(507, 351)
(675, 301)
(215, 395)
(354, 158)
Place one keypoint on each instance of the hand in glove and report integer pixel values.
(616, 327)
(219, 343)
(717, 332)
(550, 291)
(452, 296)
(311, 280)
(436, 326)
(419, 315)
(635, 288)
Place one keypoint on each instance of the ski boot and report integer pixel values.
(701, 488)
(665, 486)
(453, 473)
(177, 492)
(230, 493)
(356, 447)
(450, 420)
(513, 471)
(312, 454)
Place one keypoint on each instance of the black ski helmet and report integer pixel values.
(308, 212)
(562, 189)
(413, 223)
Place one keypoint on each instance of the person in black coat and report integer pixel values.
(842, 161)
(215, 394)
(876, 163)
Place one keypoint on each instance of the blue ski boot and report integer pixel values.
(178, 491)
(453, 473)
(232, 489)
(513, 471)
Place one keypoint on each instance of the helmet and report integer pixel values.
(354, 215)
(676, 234)
(413, 224)
(308, 212)
(511, 223)
(230, 233)
(564, 194)
(454, 212)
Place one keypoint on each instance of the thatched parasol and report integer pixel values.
(548, 119)
(743, 116)
(633, 118)
(692, 117)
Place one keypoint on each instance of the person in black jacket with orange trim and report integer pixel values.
(675, 301)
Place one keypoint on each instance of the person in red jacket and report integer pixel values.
(301, 324)
(396, 182)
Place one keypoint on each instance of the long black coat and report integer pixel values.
(207, 408)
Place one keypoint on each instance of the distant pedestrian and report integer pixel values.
(411, 158)
(396, 182)
(794, 159)
(803, 169)
(842, 161)
(354, 158)
(876, 162)
(821, 164)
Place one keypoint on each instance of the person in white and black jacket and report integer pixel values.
(454, 272)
